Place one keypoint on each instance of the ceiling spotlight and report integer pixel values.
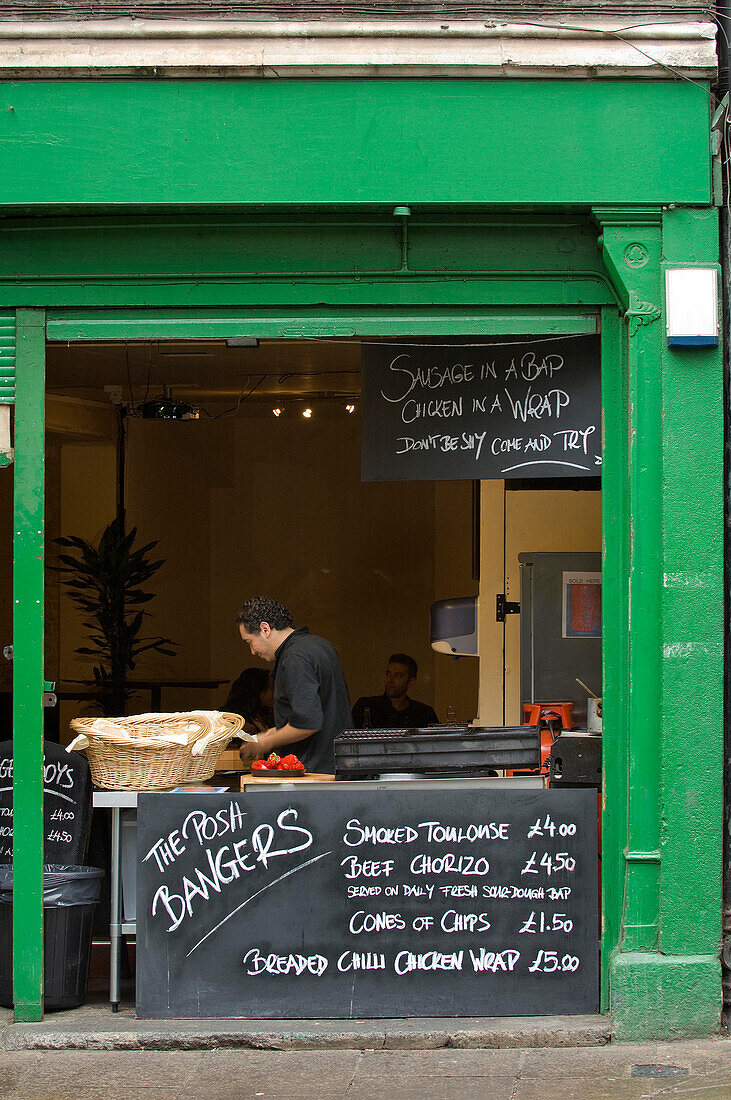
(350, 408)
(307, 413)
(278, 411)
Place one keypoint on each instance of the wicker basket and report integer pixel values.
(203, 766)
(141, 761)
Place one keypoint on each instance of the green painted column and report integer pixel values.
(663, 743)
(693, 646)
(28, 666)
(615, 642)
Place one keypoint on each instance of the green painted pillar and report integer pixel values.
(28, 666)
(615, 643)
(664, 732)
(693, 645)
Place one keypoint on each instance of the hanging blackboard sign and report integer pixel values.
(66, 804)
(511, 408)
(380, 903)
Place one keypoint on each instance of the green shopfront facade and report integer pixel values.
(146, 209)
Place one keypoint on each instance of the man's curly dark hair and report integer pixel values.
(262, 609)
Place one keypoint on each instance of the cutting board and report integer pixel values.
(259, 780)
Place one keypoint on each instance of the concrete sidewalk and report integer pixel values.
(95, 1027)
(687, 1070)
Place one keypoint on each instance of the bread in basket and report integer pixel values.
(152, 752)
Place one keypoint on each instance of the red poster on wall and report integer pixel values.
(582, 605)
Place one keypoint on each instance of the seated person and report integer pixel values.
(394, 709)
(252, 696)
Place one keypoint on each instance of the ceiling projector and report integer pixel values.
(166, 408)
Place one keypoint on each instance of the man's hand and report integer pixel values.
(270, 741)
(250, 750)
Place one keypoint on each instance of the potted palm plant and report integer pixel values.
(106, 584)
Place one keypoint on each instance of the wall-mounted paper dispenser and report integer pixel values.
(453, 626)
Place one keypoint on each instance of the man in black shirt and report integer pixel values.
(394, 709)
(311, 701)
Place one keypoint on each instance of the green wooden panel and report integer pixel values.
(314, 263)
(312, 244)
(645, 417)
(7, 358)
(306, 297)
(692, 619)
(663, 532)
(615, 648)
(66, 325)
(90, 143)
(28, 668)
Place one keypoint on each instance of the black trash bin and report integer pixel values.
(70, 895)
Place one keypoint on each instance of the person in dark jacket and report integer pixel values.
(311, 701)
(394, 709)
(252, 696)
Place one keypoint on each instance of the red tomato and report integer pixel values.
(291, 764)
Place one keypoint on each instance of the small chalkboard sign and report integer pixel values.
(66, 804)
(514, 407)
(380, 903)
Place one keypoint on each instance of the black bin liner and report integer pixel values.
(69, 897)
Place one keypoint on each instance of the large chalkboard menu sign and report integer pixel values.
(511, 408)
(350, 904)
(66, 804)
